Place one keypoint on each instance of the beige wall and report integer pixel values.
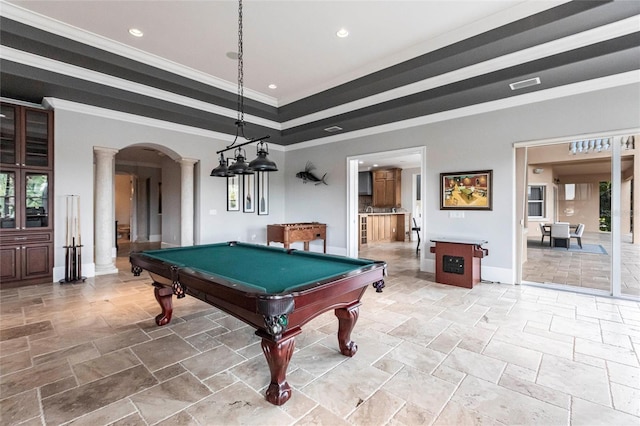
(585, 207)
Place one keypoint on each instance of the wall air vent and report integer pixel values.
(333, 129)
(525, 83)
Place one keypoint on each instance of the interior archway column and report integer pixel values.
(104, 202)
(186, 200)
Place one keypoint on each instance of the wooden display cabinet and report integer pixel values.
(26, 196)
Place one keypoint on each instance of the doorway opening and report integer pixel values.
(362, 209)
(138, 198)
(577, 214)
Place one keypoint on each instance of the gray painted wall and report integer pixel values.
(76, 133)
(482, 141)
(478, 142)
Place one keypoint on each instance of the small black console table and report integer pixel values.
(458, 260)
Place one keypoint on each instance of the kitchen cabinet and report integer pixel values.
(26, 196)
(384, 227)
(387, 185)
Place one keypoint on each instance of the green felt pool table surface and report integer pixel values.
(270, 270)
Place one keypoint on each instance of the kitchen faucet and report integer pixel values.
(367, 209)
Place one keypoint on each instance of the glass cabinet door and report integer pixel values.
(36, 200)
(8, 199)
(8, 139)
(36, 147)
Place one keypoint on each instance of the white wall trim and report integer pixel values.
(71, 106)
(616, 80)
(63, 68)
(575, 41)
(53, 26)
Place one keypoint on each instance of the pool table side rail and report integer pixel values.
(184, 272)
(307, 303)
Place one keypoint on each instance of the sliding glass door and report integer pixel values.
(587, 186)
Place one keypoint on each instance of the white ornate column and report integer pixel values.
(186, 200)
(104, 202)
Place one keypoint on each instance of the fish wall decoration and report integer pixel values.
(307, 176)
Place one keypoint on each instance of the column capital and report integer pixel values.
(106, 152)
(187, 161)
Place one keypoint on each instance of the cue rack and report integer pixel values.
(73, 242)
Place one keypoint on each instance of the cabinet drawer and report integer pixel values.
(25, 238)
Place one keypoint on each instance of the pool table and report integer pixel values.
(275, 290)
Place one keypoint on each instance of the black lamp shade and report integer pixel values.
(240, 167)
(262, 163)
(222, 170)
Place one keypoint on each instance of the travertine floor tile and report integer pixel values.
(490, 400)
(575, 378)
(91, 354)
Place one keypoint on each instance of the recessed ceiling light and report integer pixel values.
(360, 162)
(333, 129)
(375, 165)
(136, 32)
(342, 33)
(272, 86)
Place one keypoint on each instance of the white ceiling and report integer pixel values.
(292, 44)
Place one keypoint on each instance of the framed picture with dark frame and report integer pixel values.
(249, 193)
(466, 190)
(263, 193)
(233, 194)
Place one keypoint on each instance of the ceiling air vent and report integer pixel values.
(333, 129)
(525, 83)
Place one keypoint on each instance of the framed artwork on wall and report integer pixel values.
(233, 194)
(263, 193)
(466, 190)
(249, 193)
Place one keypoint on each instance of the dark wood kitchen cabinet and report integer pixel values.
(26, 195)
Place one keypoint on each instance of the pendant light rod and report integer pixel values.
(233, 146)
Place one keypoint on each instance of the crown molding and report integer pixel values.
(63, 68)
(627, 78)
(65, 105)
(574, 41)
(62, 29)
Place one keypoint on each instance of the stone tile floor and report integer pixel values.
(587, 270)
(91, 354)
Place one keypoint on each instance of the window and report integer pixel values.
(536, 201)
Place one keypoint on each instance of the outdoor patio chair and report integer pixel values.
(560, 231)
(578, 234)
(546, 232)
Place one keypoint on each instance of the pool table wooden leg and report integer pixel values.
(347, 318)
(278, 355)
(163, 296)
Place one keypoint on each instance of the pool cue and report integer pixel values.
(67, 260)
(79, 244)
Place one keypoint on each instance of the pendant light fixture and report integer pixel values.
(239, 165)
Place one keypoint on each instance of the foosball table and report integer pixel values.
(287, 233)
